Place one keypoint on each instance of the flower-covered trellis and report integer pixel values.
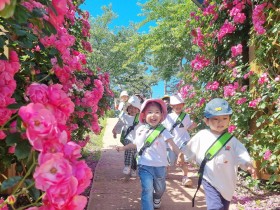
(237, 45)
(50, 99)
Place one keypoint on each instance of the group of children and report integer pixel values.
(154, 139)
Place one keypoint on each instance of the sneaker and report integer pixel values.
(126, 170)
(157, 203)
(186, 181)
(133, 173)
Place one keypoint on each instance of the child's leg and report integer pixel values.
(147, 187)
(159, 182)
(134, 162)
(127, 161)
(214, 199)
(186, 181)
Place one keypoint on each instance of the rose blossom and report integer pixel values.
(267, 155)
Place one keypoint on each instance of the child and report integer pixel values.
(152, 159)
(220, 173)
(178, 123)
(127, 125)
(123, 100)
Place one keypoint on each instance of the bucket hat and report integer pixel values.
(133, 101)
(146, 102)
(124, 93)
(176, 99)
(217, 107)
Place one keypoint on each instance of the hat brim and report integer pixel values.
(146, 102)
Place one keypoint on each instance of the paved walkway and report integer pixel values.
(111, 191)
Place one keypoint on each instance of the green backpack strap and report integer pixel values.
(220, 142)
(217, 145)
(178, 120)
(124, 134)
(151, 138)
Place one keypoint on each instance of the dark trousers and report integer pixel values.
(214, 199)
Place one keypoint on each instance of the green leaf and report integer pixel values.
(9, 9)
(48, 28)
(22, 149)
(37, 12)
(10, 182)
(14, 106)
(21, 32)
(21, 14)
(12, 139)
(34, 192)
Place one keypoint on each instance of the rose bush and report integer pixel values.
(50, 99)
(237, 57)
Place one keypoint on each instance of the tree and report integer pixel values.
(167, 46)
(110, 57)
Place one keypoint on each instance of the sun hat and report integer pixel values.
(146, 102)
(176, 99)
(124, 93)
(217, 107)
(133, 101)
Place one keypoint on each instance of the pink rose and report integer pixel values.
(40, 123)
(38, 93)
(236, 50)
(267, 155)
(53, 169)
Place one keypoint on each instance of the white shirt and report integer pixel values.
(155, 155)
(180, 132)
(221, 171)
(124, 122)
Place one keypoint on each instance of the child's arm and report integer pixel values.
(126, 147)
(192, 126)
(178, 152)
(244, 159)
(117, 128)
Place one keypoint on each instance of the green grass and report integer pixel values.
(95, 144)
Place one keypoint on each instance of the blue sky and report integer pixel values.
(127, 11)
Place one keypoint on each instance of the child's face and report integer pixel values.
(132, 110)
(218, 124)
(124, 98)
(178, 108)
(152, 115)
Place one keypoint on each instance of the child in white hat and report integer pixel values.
(152, 156)
(178, 123)
(127, 125)
(123, 100)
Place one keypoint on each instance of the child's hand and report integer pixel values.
(180, 159)
(193, 125)
(252, 171)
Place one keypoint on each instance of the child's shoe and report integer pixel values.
(133, 173)
(186, 181)
(126, 170)
(157, 203)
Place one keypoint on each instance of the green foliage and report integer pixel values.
(257, 118)
(167, 44)
(111, 54)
